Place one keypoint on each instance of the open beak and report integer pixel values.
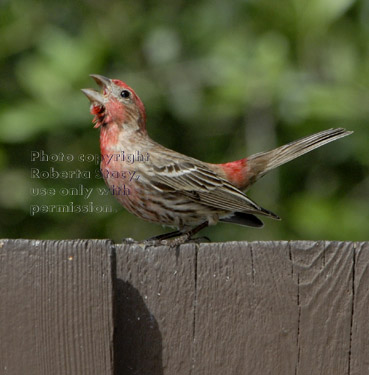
(98, 99)
(94, 96)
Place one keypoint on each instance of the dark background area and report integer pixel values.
(220, 80)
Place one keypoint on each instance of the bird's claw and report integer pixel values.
(199, 239)
(128, 241)
(174, 242)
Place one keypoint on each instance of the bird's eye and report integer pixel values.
(125, 94)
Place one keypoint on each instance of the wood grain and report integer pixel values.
(246, 316)
(56, 307)
(359, 353)
(155, 309)
(323, 272)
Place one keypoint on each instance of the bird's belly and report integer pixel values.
(171, 209)
(140, 198)
(164, 208)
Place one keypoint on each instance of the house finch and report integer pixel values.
(174, 189)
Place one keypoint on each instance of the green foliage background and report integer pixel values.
(220, 80)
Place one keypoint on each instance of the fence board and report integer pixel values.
(155, 309)
(359, 355)
(56, 307)
(323, 272)
(246, 315)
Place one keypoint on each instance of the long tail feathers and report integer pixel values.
(261, 163)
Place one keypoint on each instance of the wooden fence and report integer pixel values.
(97, 308)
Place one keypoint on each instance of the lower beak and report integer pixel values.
(93, 96)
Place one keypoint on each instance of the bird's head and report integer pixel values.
(116, 103)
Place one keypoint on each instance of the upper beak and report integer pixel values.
(102, 81)
(93, 95)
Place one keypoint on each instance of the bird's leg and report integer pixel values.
(181, 237)
(165, 236)
(186, 237)
(193, 231)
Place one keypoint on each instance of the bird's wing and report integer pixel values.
(201, 184)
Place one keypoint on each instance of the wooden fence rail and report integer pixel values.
(94, 307)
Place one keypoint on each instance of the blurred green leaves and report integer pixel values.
(48, 77)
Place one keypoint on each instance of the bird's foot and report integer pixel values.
(199, 239)
(171, 242)
(186, 238)
(177, 237)
(180, 240)
(174, 242)
(128, 241)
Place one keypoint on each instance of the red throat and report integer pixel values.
(109, 136)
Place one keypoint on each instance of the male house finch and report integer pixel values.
(174, 189)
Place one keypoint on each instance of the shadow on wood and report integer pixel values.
(137, 339)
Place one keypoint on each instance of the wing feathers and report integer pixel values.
(200, 184)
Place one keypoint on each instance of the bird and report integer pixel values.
(173, 189)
